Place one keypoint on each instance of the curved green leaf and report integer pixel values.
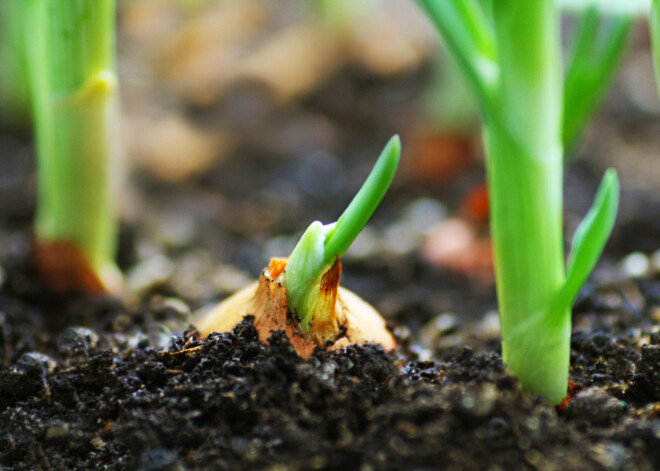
(589, 240)
(470, 38)
(597, 51)
(358, 212)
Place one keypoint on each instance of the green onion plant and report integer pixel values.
(510, 53)
(322, 244)
(70, 55)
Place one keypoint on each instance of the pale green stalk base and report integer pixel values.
(76, 145)
(306, 266)
(526, 212)
(547, 354)
(71, 58)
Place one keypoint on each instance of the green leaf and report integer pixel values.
(321, 244)
(589, 240)
(615, 7)
(470, 38)
(304, 271)
(597, 51)
(358, 212)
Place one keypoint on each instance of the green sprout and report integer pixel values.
(321, 245)
(70, 51)
(14, 90)
(597, 51)
(510, 53)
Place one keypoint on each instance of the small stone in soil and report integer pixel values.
(97, 442)
(150, 274)
(57, 431)
(76, 341)
(479, 402)
(437, 327)
(424, 213)
(36, 363)
(611, 456)
(635, 265)
(595, 407)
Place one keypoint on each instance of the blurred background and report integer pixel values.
(245, 120)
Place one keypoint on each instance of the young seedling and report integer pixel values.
(301, 295)
(70, 56)
(510, 53)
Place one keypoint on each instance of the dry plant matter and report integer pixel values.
(351, 319)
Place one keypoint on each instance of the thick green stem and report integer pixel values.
(71, 59)
(525, 192)
(525, 180)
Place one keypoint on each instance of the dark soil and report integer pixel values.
(88, 398)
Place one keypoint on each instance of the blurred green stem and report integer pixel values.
(14, 89)
(71, 58)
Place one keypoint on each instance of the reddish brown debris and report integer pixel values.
(476, 204)
(439, 158)
(456, 244)
(64, 268)
(572, 390)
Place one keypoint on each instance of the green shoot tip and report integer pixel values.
(360, 210)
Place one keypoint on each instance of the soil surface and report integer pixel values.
(85, 398)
